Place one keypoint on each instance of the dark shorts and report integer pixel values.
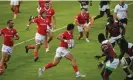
(124, 21)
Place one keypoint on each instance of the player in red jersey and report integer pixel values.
(114, 28)
(10, 34)
(14, 7)
(111, 61)
(50, 14)
(83, 21)
(41, 4)
(43, 25)
(126, 61)
(66, 41)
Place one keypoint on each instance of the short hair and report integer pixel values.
(47, 1)
(9, 21)
(110, 19)
(70, 26)
(101, 37)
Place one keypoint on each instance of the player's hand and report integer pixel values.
(67, 41)
(97, 57)
(27, 29)
(100, 65)
(31, 18)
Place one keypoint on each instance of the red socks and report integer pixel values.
(1, 67)
(75, 68)
(31, 47)
(49, 65)
(35, 54)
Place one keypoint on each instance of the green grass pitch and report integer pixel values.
(22, 66)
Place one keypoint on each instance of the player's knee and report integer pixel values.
(54, 64)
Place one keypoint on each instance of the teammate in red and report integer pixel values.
(83, 21)
(10, 34)
(111, 61)
(41, 4)
(66, 41)
(43, 25)
(50, 14)
(15, 7)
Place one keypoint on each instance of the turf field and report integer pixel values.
(22, 66)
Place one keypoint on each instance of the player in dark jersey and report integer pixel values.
(113, 28)
(104, 7)
(85, 4)
(111, 61)
(126, 62)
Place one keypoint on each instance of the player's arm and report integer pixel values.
(16, 37)
(54, 21)
(106, 32)
(123, 29)
(115, 13)
(61, 38)
(31, 20)
(91, 20)
(99, 56)
(1, 32)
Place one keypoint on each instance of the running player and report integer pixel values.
(126, 62)
(43, 25)
(114, 28)
(50, 14)
(10, 34)
(84, 4)
(104, 7)
(14, 7)
(66, 41)
(111, 61)
(83, 21)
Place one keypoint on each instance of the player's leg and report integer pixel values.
(86, 29)
(106, 73)
(80, 30)
(19, 7)
(49, 65)
(80, 35)
(15, 11)
(108, 12)
(50, 34)
(4, 56)
(29, 47)
(6, 60)
(36, 50)
(70, 57)
(12, 6)
(51, 37)
(100, 15)
(125, 66)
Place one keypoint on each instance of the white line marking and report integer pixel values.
(54, 31)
